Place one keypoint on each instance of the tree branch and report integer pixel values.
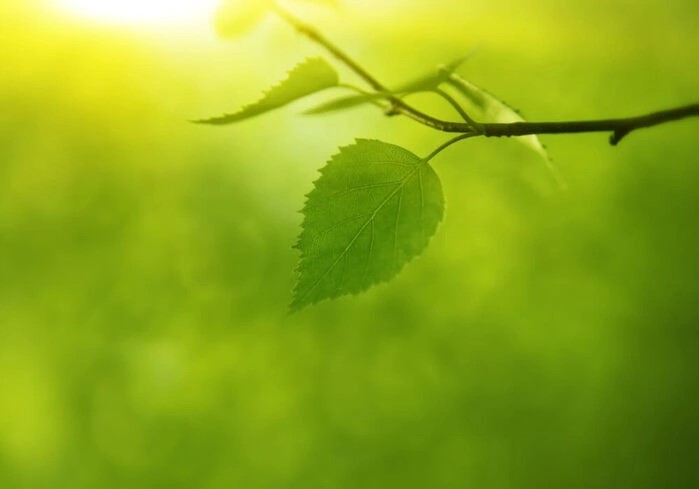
(398, 106)
(620, 127)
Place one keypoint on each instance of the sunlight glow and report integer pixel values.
(143, 11)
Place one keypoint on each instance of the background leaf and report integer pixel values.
(424, 83)
(345, 102)
(495, 110)
(311, 76)
(374, 208)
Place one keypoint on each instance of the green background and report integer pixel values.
(544, 339)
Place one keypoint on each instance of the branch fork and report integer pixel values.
(619, 128)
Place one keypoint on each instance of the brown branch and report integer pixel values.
(620, 128)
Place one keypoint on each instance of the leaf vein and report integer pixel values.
(338, 224)
(359, 232)
(371, 251)
(364, 187)
(422, 204)
(395, 229)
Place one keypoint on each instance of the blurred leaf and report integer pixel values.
(345, 102)
(374, 208)
(424, 83)
(497, 111)
(311, 76)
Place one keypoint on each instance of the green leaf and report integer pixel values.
(346, 102)
(374, 208)
(424, 83)
(495, 110)
(309, 77)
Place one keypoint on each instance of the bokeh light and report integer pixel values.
(142, 11)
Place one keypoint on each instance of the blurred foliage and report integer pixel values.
(545, 339)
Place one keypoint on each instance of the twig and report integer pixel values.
(620, 128)
(397, 105)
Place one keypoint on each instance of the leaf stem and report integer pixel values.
(452, 101)
(444, 146)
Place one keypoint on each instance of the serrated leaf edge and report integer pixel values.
(295, 305)
(233, 117)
